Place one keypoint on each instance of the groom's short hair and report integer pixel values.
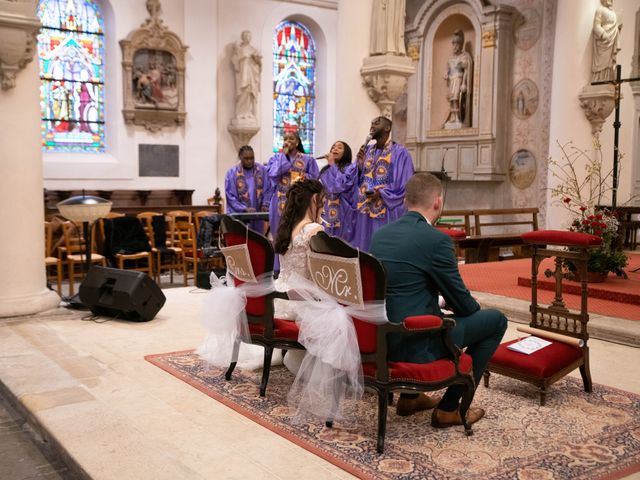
(422, 189)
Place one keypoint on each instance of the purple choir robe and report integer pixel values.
(282, 172)
(245, 189)
(387, 170)
(338, 208)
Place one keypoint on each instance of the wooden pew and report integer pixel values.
(484, 245)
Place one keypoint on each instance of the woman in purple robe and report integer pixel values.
(244, 187)
(384, 170)
(284, 169)
(339, 178)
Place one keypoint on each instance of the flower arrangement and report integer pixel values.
(582, 197)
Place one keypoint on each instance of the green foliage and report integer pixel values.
(581, 197)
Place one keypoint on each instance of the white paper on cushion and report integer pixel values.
(225, 319)
(331, 369)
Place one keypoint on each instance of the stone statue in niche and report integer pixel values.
(387, 27)
(247, 64)
(606, 39)
(458, 78)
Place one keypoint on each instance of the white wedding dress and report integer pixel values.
(294, 261)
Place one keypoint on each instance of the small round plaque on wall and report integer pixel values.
(524, 99)
(527, 28)
(522, 169)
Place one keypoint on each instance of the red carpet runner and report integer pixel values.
(501, 278)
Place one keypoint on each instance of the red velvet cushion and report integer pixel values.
(561, 237)
(423, 322)
(432, 372)
(282, 329)
(452, 232)
(541, 364)
(367, 333)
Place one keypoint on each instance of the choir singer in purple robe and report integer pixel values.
(283, 170)
(339, 178)
(384, 168)
(244, 187)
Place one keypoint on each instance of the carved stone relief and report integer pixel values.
(153, 67)
(18, 29)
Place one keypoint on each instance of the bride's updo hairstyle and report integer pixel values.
(298, 202)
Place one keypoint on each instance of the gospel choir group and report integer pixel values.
(361, 194)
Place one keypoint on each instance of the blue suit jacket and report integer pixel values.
(420, 263)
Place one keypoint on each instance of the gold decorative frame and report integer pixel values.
(153, 42)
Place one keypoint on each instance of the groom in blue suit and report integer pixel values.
(421, 267)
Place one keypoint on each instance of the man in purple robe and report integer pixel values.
(244, 187)
(384, 169)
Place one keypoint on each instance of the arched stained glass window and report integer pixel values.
(294, 78)
(71, 55)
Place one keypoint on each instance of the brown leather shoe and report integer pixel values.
(409, 406)
(442, 419)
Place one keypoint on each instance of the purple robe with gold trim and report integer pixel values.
(245, 189)
(338, 208)
(282, 171)
(387, 170)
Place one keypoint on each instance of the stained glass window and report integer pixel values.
(294, 77)
(71, 53)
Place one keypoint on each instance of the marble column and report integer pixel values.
(354, 110)
(23, 288)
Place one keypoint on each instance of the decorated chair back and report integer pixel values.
(351, 277)
(248, 255)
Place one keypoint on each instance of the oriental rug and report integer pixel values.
(576, 435)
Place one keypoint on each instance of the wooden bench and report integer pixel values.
(484, 245)
(456, 219)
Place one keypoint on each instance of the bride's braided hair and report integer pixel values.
(298, 202)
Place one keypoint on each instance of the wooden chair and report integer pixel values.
(164, 257)
(265, 329)
(126, 244)
(172, 217)
(569, 336)
(185, 236)
(49, 259)
(384, 376)
(74, 247)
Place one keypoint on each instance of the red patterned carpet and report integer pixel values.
(576, 435)
(616, 297)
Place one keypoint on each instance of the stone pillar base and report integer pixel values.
(242, 130)
(385, 77)
(28, 304)
(597, 102)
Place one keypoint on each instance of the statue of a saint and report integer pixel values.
(247, 63)
(387, 27)
(458, 77)
(606, 38)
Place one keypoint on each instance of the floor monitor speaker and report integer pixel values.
(124, 294)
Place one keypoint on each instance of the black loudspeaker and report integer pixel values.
(124, 294)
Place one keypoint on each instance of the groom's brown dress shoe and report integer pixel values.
(442, 419)
(409, 406)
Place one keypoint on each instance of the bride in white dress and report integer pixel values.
(298, 223)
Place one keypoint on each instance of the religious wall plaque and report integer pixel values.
(527, 29)
(158, 160)
(524, 99)
(522, 169)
